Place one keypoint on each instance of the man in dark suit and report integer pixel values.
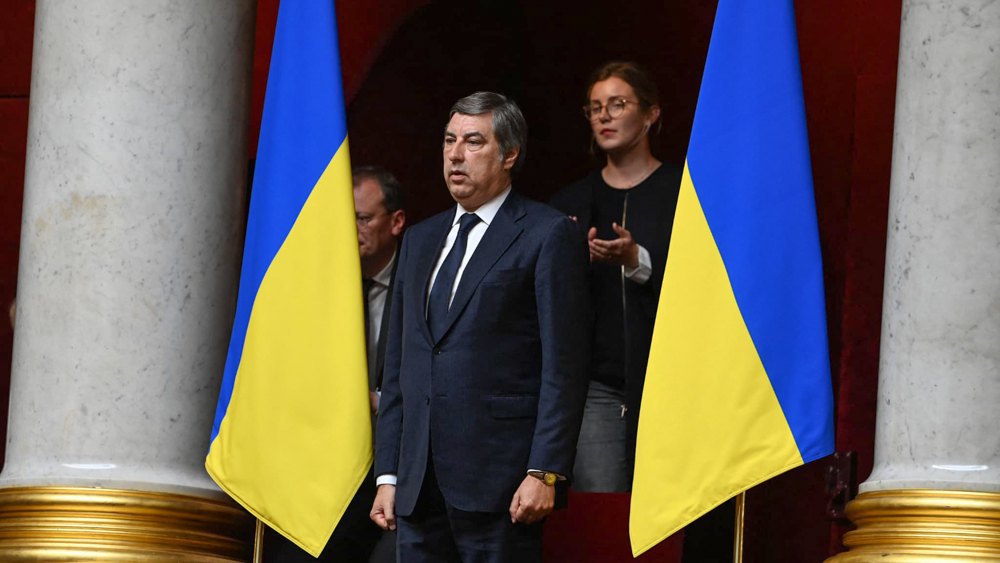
(380, 217)
(485, 378)
(378, 208)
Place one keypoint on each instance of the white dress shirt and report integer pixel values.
(486, 212)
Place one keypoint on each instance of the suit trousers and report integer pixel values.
(439, 533)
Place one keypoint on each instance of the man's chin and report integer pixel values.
(460, 193)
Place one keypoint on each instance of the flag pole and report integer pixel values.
(741, 500)
(258, 543)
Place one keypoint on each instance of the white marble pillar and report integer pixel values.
(934, 493)
(938, 421)
(130, 241)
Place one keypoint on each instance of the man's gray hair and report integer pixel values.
(509, 126)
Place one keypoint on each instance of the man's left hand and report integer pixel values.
(532, 501)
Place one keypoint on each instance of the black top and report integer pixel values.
(624, 311)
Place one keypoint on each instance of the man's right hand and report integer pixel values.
(384, 510)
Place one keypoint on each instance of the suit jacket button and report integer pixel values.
(437, 351)
(427, 400)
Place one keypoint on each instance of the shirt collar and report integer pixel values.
(486, 211)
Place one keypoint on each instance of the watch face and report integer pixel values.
(545, 477)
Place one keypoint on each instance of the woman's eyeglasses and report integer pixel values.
(615, 107)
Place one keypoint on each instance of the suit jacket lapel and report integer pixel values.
(428, 251)
(497, 239)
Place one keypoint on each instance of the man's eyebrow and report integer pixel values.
(468, 135)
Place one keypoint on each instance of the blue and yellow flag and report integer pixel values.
(292, 435)
(738, 384)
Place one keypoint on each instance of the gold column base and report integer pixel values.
(923, 525)
(90, 524)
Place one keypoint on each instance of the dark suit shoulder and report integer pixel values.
(538, 209)
(432, 223)
(543, 220)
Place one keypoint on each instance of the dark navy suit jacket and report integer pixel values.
(502, 390)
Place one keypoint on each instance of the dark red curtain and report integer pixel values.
(17, 19)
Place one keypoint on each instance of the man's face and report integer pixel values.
(473, 167)
(377, 228)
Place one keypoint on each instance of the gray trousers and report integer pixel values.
(601, 464)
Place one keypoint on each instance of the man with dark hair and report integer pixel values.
(380, 217)
(484, 372)
(378, 208)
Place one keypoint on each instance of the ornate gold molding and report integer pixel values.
(91, 524)
(923, 525)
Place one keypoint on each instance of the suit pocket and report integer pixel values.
(513, 406)
(510, 275)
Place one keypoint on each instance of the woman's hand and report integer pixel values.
(622, 251)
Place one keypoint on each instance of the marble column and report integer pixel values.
(934, 494)
(130, 247)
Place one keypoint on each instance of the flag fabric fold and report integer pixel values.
(738, 384)
(291, 440)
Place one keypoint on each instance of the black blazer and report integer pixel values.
(502, 390)
(651, 206)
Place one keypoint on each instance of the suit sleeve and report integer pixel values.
(563, 320)
(389, 427)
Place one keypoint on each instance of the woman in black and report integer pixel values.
(627, 208)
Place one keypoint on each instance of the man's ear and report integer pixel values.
(511, 158)
(398, 221)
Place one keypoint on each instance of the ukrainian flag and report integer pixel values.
(292, 435)
(738, 384)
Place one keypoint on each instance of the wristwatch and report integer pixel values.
(546, 477)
